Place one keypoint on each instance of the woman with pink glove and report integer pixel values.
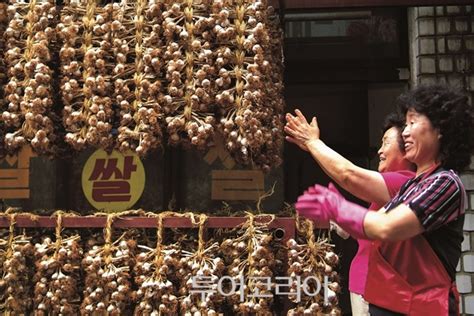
(418, 234)
(374, 187)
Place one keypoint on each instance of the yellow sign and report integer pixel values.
(114, 182)
(15, 175)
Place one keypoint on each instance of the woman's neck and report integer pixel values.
(425, 167)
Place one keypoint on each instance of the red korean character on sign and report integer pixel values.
(113, 182)
(106, 190)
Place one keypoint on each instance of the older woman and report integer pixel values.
(418, 234)
(374, 187)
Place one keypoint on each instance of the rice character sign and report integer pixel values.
(113, 182)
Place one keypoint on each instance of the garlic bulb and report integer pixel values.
(107, 287)
(57, 275)
(155, 274)
(3, 284)
(156, 292)
(3, 72)
(28, 114)
(85, 31)
(137, 51)
(251, 122)
(131, 70)
(250, 257)
(307, 259)
(199, 274)
(17, 275)
(189, 71)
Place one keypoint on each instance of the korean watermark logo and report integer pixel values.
(206, 285)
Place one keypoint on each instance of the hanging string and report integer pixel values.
(59, 223)
(201, 240)
(11, 234)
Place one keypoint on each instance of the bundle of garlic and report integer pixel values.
(86, 70)
(107, 286)
(251, 261)
(200, 273)
(17, 274)
(57, 274)
(270, 154)
(137, 75)
(274, 54)
(251, 126)
(309, 259)
(189, 71)
(3, 72)
(3, 252)
(29, 36)
(3, 26)
(155, 271)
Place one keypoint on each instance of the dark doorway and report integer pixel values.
(338, 65)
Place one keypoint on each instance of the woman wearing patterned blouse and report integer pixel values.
(417, 236)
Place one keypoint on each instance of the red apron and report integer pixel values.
(409, 278)
(415, 281)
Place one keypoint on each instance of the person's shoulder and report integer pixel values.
(444, 176)
(399, 175)
(395, 180)
(405, 174)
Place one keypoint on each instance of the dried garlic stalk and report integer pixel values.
(312, 258)
(252, 261)
(137, 43)
(201, 267)
(57, 273)
(3, 72)
(251, 126)
(188, 68)
(86, 69)
(17, 274)
(29, 36)
(155, 273)
(3, 252)
(108, 282)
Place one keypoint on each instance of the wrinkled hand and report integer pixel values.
(320, 203)
(299, 131)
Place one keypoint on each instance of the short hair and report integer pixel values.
(448, 111)
(396, 120)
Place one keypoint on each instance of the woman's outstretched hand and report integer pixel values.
(299, 131)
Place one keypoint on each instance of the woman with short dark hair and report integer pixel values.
(374, 187)
(418, 234)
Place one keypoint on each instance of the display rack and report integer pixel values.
(283, 228)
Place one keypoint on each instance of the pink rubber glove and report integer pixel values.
(327, 204)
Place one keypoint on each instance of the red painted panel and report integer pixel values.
(285, 223)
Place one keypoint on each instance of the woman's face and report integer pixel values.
(421, 139)
(390, 155)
